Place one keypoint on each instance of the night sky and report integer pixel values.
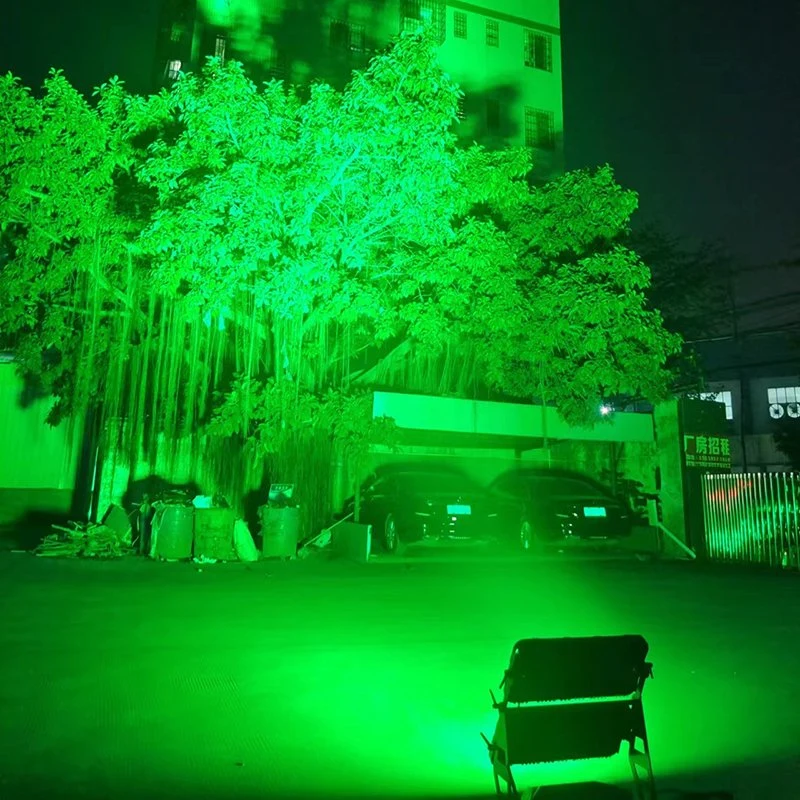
(694, 102)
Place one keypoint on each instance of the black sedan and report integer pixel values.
(540, 507)
(407, 503)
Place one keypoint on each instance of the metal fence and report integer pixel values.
(753, 518)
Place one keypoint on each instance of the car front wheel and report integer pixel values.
(527, 539)
(391, 538)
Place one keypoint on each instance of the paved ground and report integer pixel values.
(137, 679)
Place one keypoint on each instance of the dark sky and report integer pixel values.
(694, 102)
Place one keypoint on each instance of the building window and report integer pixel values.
(720, 397)
(539, 128)
(784, 402)
(340, 35)
(358, 38)
(492, 115)
(426, 12)
(459, 25)
(219, 48)
(346, 36)
(460, 107)
(173, 69)
(492, 33)
(538, 51)
(410, 13)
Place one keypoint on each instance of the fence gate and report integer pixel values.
(753, 517)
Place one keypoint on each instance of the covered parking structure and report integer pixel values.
(487, 438)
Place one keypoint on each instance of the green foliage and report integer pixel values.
(555, 310)
(690, 286)
(231, 258)
(262, 414)
(68, 263)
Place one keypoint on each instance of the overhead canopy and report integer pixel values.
(453, 422)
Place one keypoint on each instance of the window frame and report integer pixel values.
(784, 396)
(492, 33)
(531, 128)
(531, 54)
(220, 47)
(424, 12)
(727, 400)
(174, 68)
(459, 24)
(339, 35)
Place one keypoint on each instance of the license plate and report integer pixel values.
(594, 511)
(465, 510)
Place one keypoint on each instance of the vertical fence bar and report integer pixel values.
(791, 538)
(778, 506)
(732, 529)
(774, 518)
(754, 511)
(794, 528)
(711, 489)
(743, 497)
(716, 510)
(763, 511)
(776, 532)
(708, 515)
(745, 544)
(781, 528)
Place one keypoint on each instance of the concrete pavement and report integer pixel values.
(140, 679)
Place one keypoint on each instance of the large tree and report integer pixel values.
(691, 285)
(233, 260)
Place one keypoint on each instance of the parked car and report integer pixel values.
(418, 502)
(540, 507)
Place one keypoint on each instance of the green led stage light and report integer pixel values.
(573, 699)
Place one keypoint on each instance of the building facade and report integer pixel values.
(505, 54)
(757, 378)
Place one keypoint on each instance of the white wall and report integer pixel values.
(33, 455)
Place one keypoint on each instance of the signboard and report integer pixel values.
(707, 452)
(704, 447)
(280, 492)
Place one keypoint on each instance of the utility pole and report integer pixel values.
(744, 386)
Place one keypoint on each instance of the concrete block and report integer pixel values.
(352, 541)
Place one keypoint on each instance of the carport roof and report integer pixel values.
(458, 440)
(507, 423)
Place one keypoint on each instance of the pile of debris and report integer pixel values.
(88, 540)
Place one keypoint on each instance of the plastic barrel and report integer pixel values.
(280, 530)
(213, 533)
(175, 532)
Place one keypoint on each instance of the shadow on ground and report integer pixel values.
(28, 532)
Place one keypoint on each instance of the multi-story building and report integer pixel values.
(757, 377)
(505, 54)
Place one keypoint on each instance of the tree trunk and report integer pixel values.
(356, 464)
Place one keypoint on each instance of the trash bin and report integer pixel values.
(172, 532)
(213, 533)
(280, 531)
